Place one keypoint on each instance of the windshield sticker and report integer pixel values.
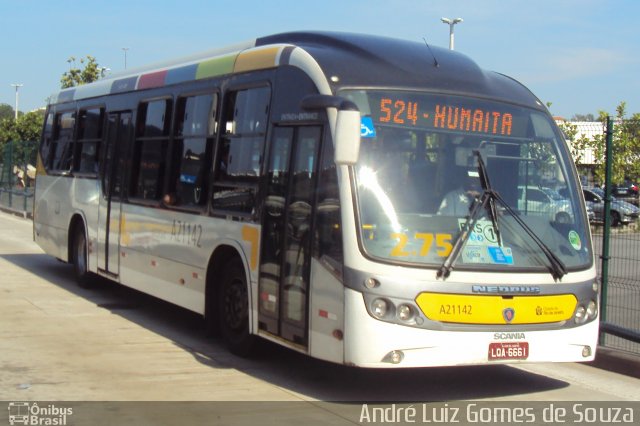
(574, 240)
(501, 255)
(487, 255)
(367, 130)
(483, 233)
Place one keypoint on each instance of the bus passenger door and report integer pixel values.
(112, 181)
(286, 233)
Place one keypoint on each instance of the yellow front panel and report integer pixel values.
(473, 309)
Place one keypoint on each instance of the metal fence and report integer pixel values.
(620, 249)
(616, 242)
(17, 177)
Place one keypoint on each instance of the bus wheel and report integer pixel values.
(80, 264)
(234, 310)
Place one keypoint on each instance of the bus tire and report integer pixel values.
(234, 310)
(80, 258)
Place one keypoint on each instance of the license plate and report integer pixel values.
(508, 350)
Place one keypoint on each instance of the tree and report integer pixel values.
(6, 111)
(577, 145)
(24, 132)
(79, 76)
(583, 117)
(626, 146)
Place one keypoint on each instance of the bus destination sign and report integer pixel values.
(440, 115)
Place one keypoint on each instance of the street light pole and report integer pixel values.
(125, 56)
(451, 23)
(17, 86)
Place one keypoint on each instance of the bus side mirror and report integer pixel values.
(347, 131)
(347, 137)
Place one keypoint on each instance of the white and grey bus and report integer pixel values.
(363, 200)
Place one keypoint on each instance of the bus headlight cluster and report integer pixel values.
(584, 313)
(405, 313)
(379, 308)
(385, 309)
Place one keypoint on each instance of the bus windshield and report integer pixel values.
(418, 178)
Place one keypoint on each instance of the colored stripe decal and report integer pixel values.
(66, 95)
(40, 169)
(178, 75)
(257, 59)
(124, 84)
(246, 60)
(216, 66)
(154, 79)
(252, 236)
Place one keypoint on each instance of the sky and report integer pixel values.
(583, 56)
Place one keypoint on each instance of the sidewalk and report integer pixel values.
(617, 361)
(62, 342)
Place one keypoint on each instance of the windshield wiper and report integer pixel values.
(488, 202)
(491, 194)
(556, 266)
(469, 224)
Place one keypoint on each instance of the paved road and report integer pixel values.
(61, 342)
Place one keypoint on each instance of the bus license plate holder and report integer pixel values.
(499, 351)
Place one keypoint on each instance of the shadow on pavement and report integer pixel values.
(288, 369)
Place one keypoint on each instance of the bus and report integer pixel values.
(364, 200)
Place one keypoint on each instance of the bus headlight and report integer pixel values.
(592, 309)
(405, 313)
(379, 308)
(581, 315)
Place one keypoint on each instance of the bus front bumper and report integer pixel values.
(378, 344)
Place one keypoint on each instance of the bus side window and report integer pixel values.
(327, 243)
(196, 126)
(150, 149)
(88, 144)
(47, 140)
(61, 152)
(241, 148)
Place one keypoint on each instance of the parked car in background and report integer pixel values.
(543, 201)
(591, 215)
(625, 189)
(621, 213)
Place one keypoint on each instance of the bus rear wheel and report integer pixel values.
(234, 310)
(80, 258)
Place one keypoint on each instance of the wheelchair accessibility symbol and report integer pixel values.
(366, 128)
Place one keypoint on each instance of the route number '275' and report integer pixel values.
(442, 244)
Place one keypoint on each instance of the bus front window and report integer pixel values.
(418, 178)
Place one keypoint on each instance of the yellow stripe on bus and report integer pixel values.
(252, 236)
(256, 59)
(40, 169)
(474, 309)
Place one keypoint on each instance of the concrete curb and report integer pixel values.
(16, 212)
(617, 361)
